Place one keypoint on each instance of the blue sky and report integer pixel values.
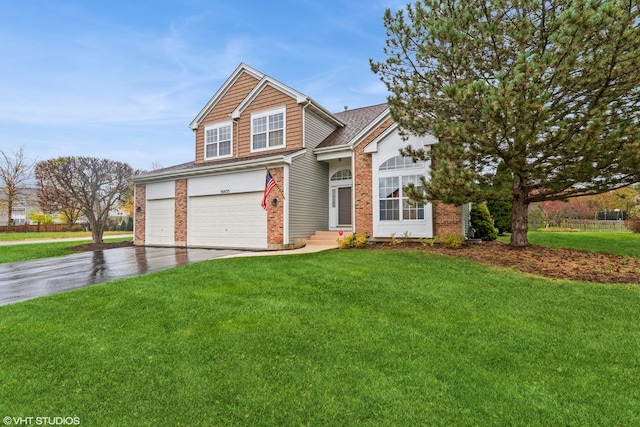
(123, 79)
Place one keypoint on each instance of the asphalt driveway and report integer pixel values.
(21, 281)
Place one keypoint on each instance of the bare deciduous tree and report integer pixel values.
(96, 185)
(52, 200)
(15, 173)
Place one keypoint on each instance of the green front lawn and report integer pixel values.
(6, 237)
(336, 338)
(625, 244)
(25, 252)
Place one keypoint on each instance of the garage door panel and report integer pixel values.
(228, 220)
(160, 222)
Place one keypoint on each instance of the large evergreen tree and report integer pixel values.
(549, 87)
(500, 208)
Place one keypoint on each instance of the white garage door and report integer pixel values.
(228, 220)
(159, 223)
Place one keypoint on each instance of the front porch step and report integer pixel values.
(324, 238)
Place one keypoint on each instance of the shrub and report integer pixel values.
(501, 213)
(355, 240)
(482, 223)
(429, 241)
(453, 241)
(633, 220)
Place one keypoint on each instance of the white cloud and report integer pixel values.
(126, 79)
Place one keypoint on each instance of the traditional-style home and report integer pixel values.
(332, 171)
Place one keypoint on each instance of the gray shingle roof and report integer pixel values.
(355, 121)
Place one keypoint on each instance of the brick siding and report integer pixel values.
(275, 214)
(362, 183)
(447, 219)
(140, 213)
(180, 220)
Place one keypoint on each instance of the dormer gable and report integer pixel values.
(253, 114)
(242, 69)
(257, 90)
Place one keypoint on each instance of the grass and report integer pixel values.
(25, 252)
(625, 244)
(6, 237)
(374, 338)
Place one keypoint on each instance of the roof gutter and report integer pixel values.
(330, 117)
(208, 169)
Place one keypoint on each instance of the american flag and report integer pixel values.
(270, 183)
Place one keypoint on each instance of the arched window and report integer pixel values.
(400, 162)
(341, 175)
(395, 204)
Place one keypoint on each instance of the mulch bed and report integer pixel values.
(542, 261)
(100, 246)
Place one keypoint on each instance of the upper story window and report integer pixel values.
(217, 141)
(267, 130)
(400, 162)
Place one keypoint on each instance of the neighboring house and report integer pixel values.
(334, 171)
(25, 203)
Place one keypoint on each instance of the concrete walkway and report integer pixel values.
(304, 250)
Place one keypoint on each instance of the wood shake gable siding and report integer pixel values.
(270, 98)
(222, 110)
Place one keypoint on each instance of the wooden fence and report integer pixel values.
(586, 225)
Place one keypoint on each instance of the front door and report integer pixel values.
(344, 206)
(340, 212)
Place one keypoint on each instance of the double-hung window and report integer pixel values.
(218, 141)
(268, 130)
(395, 204)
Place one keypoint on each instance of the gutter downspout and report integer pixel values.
(304, 123)
(235, 142)
(353, 190)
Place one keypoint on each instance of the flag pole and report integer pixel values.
(277, 186)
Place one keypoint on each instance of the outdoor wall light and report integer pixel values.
(139, 209)
(274, 202)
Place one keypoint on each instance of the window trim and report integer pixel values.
(266, 113)
(407, 163)
(400, 175)
(217, 127)
(340, 175)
